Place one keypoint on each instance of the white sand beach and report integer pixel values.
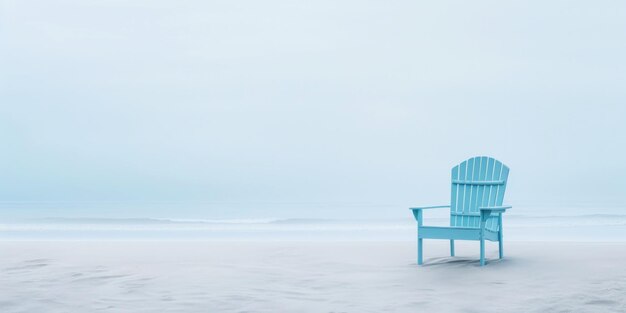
(214, 276)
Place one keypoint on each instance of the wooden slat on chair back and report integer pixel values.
(477, 182)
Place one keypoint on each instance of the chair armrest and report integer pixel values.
(429, 207)
(486, 211)
(494, 209)
(417, 212)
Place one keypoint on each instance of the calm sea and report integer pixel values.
(59, 221)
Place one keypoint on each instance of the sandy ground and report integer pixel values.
(66, 276)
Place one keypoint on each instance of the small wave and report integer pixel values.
(574, 216)
(220, 221)
(133, 221)
(302, 221)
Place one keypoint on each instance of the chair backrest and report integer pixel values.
(477, 182)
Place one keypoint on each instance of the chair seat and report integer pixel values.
(456, 233)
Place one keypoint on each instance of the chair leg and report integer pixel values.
(419, 251)
(500, 245)
(482, 251)
(451, 247)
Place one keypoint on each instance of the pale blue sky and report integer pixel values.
(310, 101)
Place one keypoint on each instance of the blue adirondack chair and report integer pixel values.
(476, 208)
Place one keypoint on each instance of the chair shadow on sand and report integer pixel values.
(462, 262)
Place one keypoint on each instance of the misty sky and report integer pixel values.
(310, 101)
